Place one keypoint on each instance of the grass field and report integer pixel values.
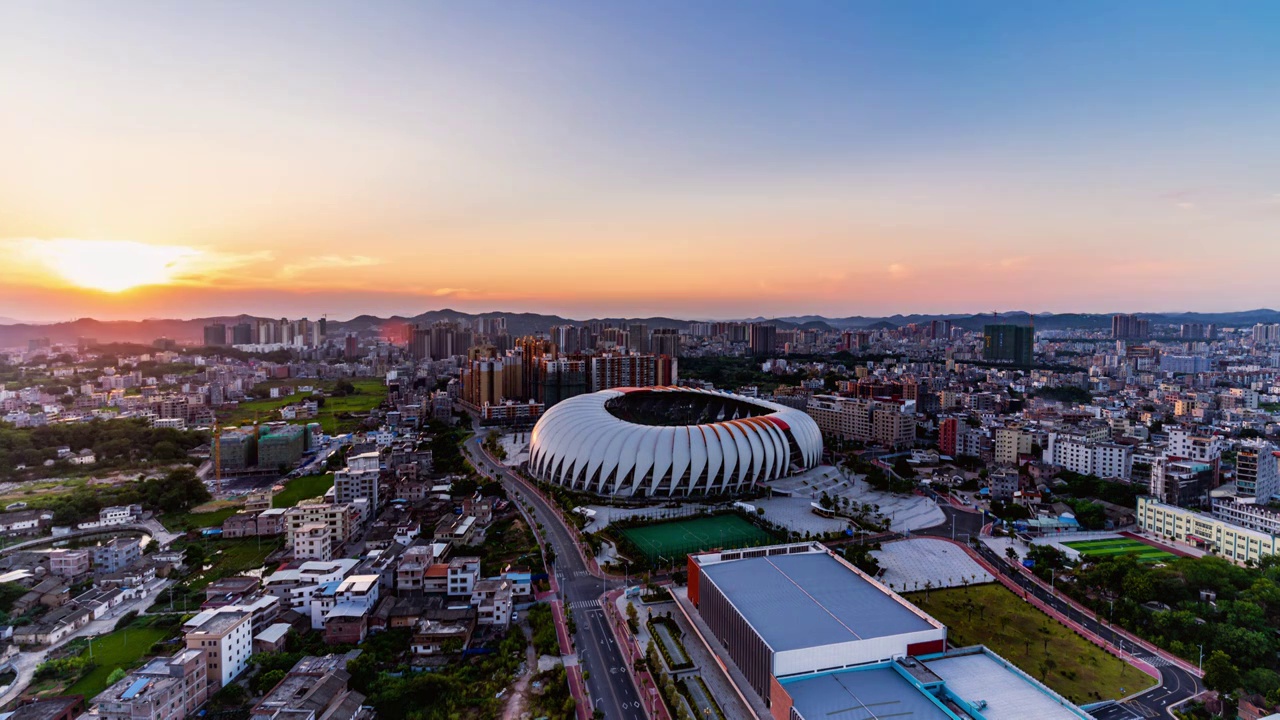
(232, 557)
(120, 649)
(674, 539)
(370, 392)
(303, 488)
(1112, 547)
(991, 615)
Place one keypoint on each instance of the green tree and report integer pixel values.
(1220, 674)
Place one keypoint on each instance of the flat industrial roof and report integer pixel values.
(809, 599)
(1009, 694)
(862, 695)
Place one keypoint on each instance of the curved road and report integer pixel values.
(1176, 683)
(608, 682)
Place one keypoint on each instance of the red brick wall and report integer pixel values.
(779, 700)
(694, 577)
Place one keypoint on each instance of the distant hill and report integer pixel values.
(15, 334)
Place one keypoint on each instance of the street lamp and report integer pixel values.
(1200, 665)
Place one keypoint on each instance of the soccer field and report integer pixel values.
(1113, 547)
(674, 539)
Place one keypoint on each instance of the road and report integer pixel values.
(26, 661)
(608, 682)
(1176, 683)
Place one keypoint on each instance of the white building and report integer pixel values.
(1080, 455)
(226, 639)
(358, 480)
(464, 572)
(119, 514)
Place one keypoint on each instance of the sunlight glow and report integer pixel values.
(110, 265)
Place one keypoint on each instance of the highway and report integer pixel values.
(1176, 683)
(607, 680)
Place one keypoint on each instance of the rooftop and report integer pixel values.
(810, 599)
(976, 674)
(219, 623)
(867, 694)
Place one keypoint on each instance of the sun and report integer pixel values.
(112, 265)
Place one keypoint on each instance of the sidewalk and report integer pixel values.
(633, 650)
(732, 674)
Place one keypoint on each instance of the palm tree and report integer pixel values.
(928, 585)
(1010, 553)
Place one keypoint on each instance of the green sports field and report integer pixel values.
(1113, 547)
(673, 539)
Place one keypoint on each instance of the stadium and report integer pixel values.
(670, 441)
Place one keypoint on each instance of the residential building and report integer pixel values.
(1004, 483)
(171, 688)
(464, 573)
(343, 519)
(1013, 344)
(869, 421)
(1077, 453)
(116, 554)
(70, 563)
(1257, 472)
(315, 688)
(312, 542)
(226, 639)
(1010, 442)
(1185, 483)
(119, 515)
(359, 479)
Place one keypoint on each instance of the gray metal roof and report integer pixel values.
(861, 695)
(810, 599)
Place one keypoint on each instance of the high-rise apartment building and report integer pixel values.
(763, 340)
(1014, 344)
(613, 371)
(226, 640)
(215, 335)
(1129, 327)
(640, 341)
(665, 341)
(1257, 472)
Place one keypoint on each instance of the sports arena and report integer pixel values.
(670, 441)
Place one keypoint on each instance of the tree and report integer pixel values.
(1010, 553)
(1220, 674)
(116, 676)
(633, 618)
(343, 388)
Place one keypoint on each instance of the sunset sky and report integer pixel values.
(698, 159)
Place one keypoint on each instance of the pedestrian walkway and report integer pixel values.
(585, 605)
(731, 682)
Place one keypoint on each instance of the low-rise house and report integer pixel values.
(434, 637)
(492, 600)
(463, 574)
(315, 688)
(25, 522)
(272, 639)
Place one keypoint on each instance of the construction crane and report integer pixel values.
(217, 457)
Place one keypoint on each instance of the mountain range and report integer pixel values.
(145, 331)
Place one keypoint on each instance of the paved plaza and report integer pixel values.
(905, 512)
(909, 564)
(517, 447)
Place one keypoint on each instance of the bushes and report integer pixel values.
(545, 640)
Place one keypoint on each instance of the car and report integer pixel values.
(515, 617)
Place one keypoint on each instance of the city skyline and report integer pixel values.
(719, 161)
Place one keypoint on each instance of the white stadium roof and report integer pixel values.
(667, 441)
